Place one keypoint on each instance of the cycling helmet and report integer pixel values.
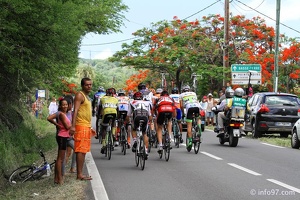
(164, 93)
(229, 93)
(101, 89)
(239, 92)
(138, 96)
(109, 91)
(186, 88)
(142, 86)
(121, 92)
(158, 90)
(175, 91)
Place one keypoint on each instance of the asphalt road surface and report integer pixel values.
(252, 170)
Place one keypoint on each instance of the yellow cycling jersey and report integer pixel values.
(109, 105)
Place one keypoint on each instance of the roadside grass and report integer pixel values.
(21, 147)
(45, 188)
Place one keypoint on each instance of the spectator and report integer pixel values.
(53, 106)
(39, 104)
(209, 113)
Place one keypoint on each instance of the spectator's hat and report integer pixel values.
(209, 95)
(204, 97)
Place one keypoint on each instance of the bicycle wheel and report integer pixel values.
(176, 134)
(149, 134)
(21, 175)
(196, 141)
(136, 154)
(100, 131)
(167, 146)
(123, 139)
(142, 153)
(109, 145)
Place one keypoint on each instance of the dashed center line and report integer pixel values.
(244, 169)
(210, 155)
(284, 185)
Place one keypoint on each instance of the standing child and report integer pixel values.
(63, 124)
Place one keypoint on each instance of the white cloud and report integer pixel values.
(106, 53)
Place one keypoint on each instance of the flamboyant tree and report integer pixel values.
(197, 47)
(135, 80)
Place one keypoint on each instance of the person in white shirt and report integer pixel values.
(53, 107)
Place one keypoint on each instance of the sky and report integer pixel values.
(142, 13)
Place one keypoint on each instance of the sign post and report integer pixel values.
(243, 74)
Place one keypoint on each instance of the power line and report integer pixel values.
(268, 16)
(140, 24)
(202, 10)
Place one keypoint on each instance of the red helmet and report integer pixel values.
(138, 96)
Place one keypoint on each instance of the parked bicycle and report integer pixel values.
(195, 136)
(140, 153)
(166, 141)
(31, 172)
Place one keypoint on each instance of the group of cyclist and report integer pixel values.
(151, 108)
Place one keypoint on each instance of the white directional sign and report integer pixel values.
(241, 73)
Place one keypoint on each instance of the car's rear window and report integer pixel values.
(282, 100)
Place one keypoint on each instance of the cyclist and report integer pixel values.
(140, 110)
(100, 93)
(175, 96)
(147, 94)
(165, 107)
(108, 107)
(189, 101)
(122, 110)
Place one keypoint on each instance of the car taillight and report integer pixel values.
(263, 109)
(202, 113)
(299, 112)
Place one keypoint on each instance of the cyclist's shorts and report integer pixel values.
(162, 115)
(190, 112)
(62, 142)
(179, 114)
(82, 139)
(136, 123)
(107, 117)
(122, 114)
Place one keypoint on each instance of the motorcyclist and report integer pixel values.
(236, 100)
(220, 108)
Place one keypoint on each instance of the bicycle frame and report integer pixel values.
(109, 139)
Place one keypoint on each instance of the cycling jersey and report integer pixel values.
(189, 100)
(109, 105)
(123, 103)
(141, 110)
(176, 99)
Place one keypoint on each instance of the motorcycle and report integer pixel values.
(232, 126)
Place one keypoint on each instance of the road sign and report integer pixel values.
(240, 74)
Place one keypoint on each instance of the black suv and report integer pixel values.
(272, 112)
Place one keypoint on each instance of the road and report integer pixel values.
(249, 171)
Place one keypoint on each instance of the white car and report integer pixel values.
(295, 140)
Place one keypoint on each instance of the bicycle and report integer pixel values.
(195, 137)
(109, 138)
(140, 153)
(31, 172)
(123, 136)
(166, 141)
(152, 137)
(176, 132)
(98, 128)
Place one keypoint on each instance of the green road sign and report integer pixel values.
(245, 67)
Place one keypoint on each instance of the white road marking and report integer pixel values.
(244, 169)
(284, 185)
(210, 155)
(272, 145)
(97, 184)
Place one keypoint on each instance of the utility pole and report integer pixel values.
(226, 42)
(276, 46)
